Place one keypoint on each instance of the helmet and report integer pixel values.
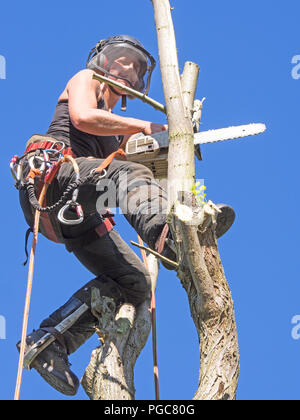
(106, 51)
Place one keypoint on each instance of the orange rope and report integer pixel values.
(28, 294)
(153, 314)
(120, 152)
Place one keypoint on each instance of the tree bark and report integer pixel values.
(181, 170)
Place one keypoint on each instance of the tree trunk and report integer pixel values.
(193, 226)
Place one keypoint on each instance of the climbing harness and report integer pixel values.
(45, 163)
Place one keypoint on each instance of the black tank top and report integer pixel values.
(81, 143)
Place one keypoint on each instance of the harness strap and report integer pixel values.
(120, 153)
(108, 224)
(56, 334)
(49, 145)
(45, 221)
(105, 227)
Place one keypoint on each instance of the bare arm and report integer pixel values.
(83, 92)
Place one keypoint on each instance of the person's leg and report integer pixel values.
(109, 255)
(121, 276)
(79, 323)
(130, 186)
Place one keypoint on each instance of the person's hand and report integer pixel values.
(152, 128)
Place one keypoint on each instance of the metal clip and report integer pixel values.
(79, 212)
(52, 154)
(32, 163)
(15, 168)
(102, 175)
(62, 146)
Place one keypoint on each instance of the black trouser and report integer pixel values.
(142, 201)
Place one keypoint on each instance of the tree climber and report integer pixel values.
(84, 124)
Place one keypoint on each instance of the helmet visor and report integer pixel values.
(126, 64)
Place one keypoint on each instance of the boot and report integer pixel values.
(164, 246)
(52, 363)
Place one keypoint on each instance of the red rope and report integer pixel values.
(153, 317)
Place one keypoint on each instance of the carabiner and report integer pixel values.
(62, 146)
(52, 154)
(32, 165)
(71, 222)
(12, 165)
(16, 168)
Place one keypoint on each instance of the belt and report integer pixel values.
(50, 145)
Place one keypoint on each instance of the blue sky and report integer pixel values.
(245, 51)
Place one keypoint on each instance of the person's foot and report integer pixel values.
(225, 219)
(53, 364)
(163, 246)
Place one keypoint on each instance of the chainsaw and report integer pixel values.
(152, 151)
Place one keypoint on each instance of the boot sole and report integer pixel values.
(224, 220)
(52, 378)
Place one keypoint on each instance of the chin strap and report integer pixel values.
(124, 98)
(124, 103)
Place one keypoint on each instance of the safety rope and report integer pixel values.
(153, 319)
